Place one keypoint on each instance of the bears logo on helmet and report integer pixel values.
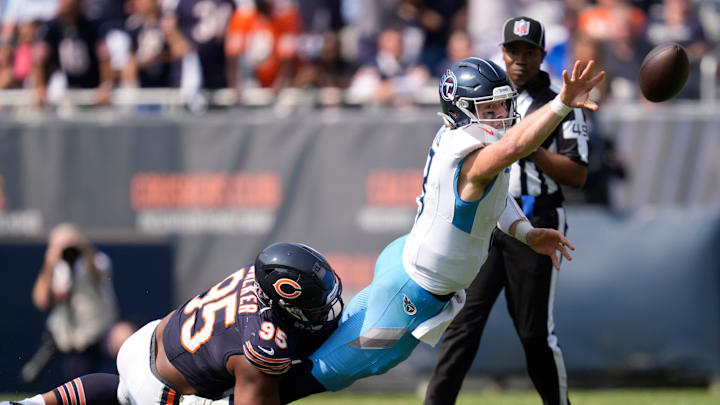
(287, 288)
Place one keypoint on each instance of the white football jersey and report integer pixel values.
(450, 239)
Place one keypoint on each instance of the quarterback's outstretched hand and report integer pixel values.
(576, 86)
(546, 241)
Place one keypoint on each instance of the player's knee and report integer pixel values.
(534, 341)
(117, 336)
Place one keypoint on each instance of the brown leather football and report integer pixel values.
(663, 72)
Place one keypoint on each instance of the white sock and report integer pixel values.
(36, 400)
(196, 400)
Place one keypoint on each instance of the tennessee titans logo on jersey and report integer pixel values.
(448, 86)
(408, 306)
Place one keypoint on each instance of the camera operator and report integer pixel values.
(75, 286)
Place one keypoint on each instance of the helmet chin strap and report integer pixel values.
(491, 133)
(447, 120)
(499, 133)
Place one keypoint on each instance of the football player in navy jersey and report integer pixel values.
(239, 336)
(72, 44)
(198, 27)
(150, 62)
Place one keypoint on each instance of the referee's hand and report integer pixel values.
(546, 241)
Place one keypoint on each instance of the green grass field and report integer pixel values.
(590, 397)
(578, 397)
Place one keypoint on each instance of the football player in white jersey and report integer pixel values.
(419, 278)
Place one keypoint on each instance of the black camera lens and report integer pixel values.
(70, 254)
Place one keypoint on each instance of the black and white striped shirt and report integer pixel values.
(570, 138)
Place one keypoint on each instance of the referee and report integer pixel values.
(528, 278)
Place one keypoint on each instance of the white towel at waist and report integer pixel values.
(432, 329)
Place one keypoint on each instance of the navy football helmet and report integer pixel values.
(469, 83)
(299, 285)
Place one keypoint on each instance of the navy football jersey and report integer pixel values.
(73, 50)
(227, 320)
(204, 23)
(150, 45)
(106, 15)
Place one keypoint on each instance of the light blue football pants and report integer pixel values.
(374, 334)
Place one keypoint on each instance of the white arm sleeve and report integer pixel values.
(510, 214)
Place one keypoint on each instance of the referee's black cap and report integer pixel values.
(524, 29)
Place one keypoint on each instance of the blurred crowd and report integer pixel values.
(377, 51)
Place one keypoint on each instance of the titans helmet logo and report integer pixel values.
(448, 86)
(287, 288)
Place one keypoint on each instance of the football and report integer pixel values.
(663, 72)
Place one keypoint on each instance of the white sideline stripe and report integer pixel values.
(552, 339)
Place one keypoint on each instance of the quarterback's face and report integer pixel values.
(494, 110)
(522, 62)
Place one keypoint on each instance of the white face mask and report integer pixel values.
(471, 106)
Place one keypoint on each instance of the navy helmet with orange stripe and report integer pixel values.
(299, 285)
